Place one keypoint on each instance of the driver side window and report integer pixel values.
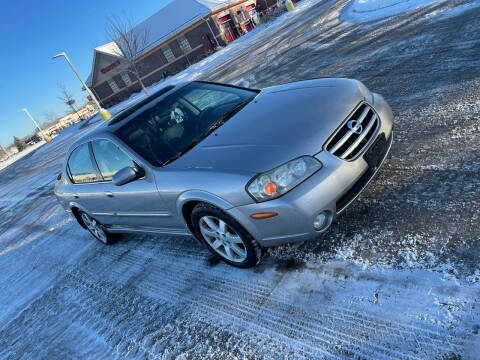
(110, 159)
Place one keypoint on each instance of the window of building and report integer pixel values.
(168, 53)
(184, 44)
(110, 159)
(126, 78)
(113, 85)
(81, 166)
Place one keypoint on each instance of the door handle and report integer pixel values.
(109, 194)
(75, 196)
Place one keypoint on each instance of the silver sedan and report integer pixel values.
(240, 169)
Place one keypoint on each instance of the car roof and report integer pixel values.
(110, 126)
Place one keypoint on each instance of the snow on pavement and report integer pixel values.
(15, 157)
(359, 11)
(397, 276)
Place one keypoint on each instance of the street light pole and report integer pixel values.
(103, 112)
(45, 137)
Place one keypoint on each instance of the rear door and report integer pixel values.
(85, 179)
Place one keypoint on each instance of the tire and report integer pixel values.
(96, 229)
(225, 237)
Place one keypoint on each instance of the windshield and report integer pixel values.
(175, 124)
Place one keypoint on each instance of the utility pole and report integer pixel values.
(45, 137)
(103, 112)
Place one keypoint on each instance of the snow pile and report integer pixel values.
(359, 11)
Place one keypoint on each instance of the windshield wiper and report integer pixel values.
(226, 116)
(235, 109)
(180, 153)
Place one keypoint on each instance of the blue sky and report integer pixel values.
(31, 32)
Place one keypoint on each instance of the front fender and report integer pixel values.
(203, 196)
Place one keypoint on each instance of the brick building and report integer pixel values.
(179, 34)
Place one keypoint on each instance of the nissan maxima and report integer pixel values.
(240, 169)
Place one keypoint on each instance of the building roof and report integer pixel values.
(176, 16)
(111, 49)
(215, 5)
(167, 22)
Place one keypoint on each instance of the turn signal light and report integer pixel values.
(270, 188)
(264, 215)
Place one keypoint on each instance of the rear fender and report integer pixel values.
(71, 206)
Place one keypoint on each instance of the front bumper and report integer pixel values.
(330, 190)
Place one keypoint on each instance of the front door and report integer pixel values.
(136, 204)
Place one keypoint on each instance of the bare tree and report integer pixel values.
(67, 98)
(50, 119)
(130, 42)
(49, 116)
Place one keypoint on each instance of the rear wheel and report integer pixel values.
(225, 237)
(96, 229)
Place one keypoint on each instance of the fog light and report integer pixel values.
(320, 221)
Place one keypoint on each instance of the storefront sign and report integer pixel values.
(224, 19)
(110, 67)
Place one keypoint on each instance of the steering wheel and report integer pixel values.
(202, 119)
(205, 118)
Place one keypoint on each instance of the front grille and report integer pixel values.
(380, 148)
(348, 142)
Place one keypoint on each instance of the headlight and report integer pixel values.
(276, 182)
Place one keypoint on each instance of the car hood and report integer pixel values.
(282, 123)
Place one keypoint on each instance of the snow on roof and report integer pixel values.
(111, 49)
(167, 22)
(176, 16)
(215, 5)
(358, 11)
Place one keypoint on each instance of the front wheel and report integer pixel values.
(96, 229)
(225, 237)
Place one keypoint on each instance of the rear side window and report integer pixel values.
(110, 159)
(81, 166)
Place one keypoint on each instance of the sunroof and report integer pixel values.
(140, 104)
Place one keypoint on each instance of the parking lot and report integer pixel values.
(397, 275)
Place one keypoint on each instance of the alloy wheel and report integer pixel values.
(223, 239)
(94, 227)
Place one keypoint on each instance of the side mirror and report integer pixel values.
(124, 176)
